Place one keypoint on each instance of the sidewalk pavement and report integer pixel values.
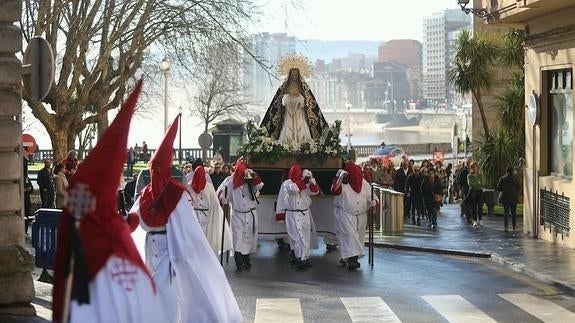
(542, 260)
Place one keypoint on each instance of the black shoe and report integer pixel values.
(418, 221)
(352, 263)
(301, 264)
(342, 262)
(330, 247)
(307, 263)
(246, 263)
(238, 258)
(292, 259)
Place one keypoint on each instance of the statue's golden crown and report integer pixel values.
(295, 61)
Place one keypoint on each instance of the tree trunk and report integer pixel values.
(59, 139)
(477, 96)
(102, 123)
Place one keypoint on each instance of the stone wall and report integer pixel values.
(16, 264)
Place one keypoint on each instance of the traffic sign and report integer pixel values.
(38, 64)
(205, 140)
(29, 143)
(438, 156)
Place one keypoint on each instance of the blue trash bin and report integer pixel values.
(44, 233)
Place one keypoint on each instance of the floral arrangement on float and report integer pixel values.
(261, 148)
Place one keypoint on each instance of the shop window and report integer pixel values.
(560, 127)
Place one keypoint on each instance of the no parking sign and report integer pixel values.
(438, 156)
(29, 144)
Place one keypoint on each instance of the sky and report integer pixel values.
(349, 19)
(376, 20)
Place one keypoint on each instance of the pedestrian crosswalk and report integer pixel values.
(453, 308)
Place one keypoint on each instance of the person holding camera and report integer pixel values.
(294, 203)
(351, 203)
(242, 193)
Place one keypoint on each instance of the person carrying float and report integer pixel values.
(350, 206)
(241, 190)
(191, 283)
(294, 202)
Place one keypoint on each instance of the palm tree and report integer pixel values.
(495, 153)
(473, 63)
(511, 104)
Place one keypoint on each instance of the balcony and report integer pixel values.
(520, 11)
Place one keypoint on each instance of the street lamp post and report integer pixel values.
(348, 107)
(180, 128)
(165, 67)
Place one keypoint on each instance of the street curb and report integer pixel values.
(450, 252)
(564, 287)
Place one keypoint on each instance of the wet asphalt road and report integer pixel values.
(400, 279)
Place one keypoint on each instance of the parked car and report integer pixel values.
(391, 153)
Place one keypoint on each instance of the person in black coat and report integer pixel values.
(509, 187)
(413, 192)
(432, 192)
(399, 184)
(46, 185)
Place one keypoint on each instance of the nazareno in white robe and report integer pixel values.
(196, 289)
(211, 217)
(350, 211)
(243, 213)
(299, 224)
(120, 292)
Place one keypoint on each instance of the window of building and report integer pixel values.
(560, 127)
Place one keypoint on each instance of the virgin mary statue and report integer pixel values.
(294, 117)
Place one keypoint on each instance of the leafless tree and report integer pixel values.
(220, 92)
(101, 46)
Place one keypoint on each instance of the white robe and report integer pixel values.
(350, 211)
(196, 289)
(299, 224)
(211, 217)
(295, 129)
(244, 215)
(120, 292)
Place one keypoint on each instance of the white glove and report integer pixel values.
(307, 173)
(342, 174)
(312, 180)
(338, 172)
(224, 201)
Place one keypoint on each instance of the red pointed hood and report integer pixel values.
(295, 175)
(239, 170)
(160, 197)
(92, 199)
(199, 179)
(354, 175)
(162, 160)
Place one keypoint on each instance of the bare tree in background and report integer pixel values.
(220, 92)
(101, 47)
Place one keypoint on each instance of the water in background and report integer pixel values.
(408, 135)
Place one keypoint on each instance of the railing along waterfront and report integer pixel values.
(187, 154)
(361, 151)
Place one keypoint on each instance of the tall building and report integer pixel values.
(270, 48)
(399, 67)
(406, 52)
(436, 53)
